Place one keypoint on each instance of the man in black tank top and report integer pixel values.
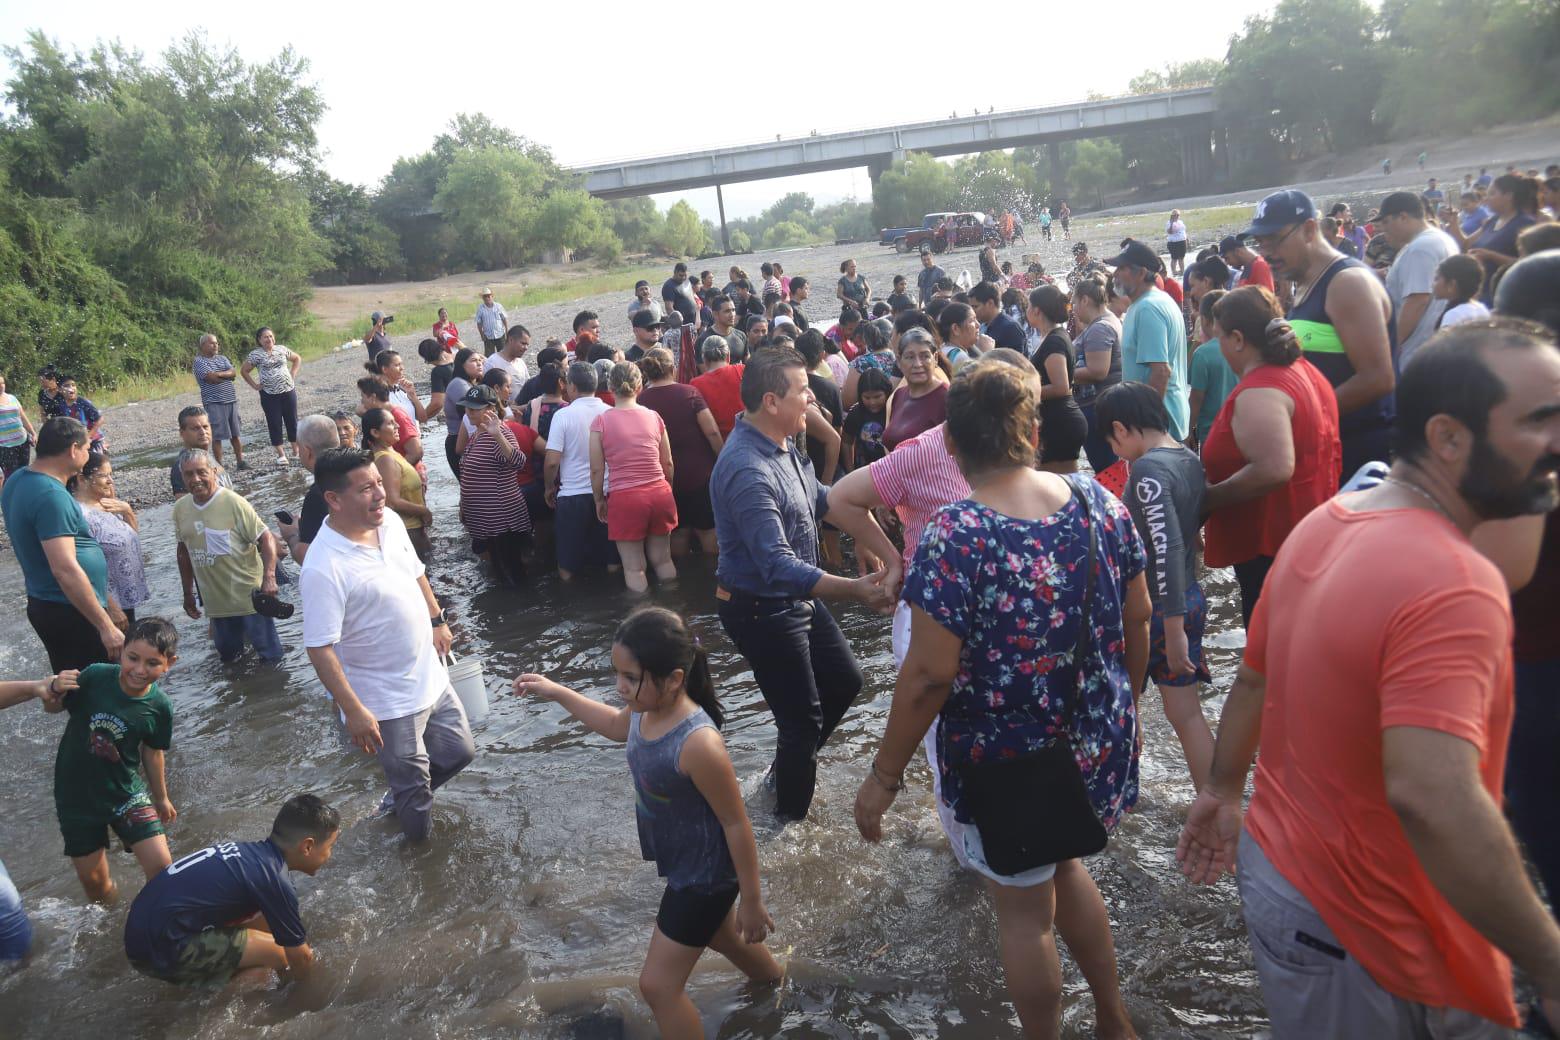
(1343, 318)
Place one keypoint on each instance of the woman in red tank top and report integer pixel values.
(1273, 453)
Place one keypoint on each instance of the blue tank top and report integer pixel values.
(1322, 347)
(677, 827)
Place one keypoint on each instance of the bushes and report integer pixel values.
(64, 307)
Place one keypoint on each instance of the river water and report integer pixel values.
(529, 912)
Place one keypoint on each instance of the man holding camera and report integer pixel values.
(377, 339)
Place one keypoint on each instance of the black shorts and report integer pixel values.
(1177, 250)
(692, 916)
(694, 509)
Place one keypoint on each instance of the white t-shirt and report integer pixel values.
(1412, 272)
(399, 399)
(569, 435)
(518, 373)
(365, 601)
(1473, 310)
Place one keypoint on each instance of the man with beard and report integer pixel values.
(1381, 885)
(1342, 315)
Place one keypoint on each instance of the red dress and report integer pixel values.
(1246, 530)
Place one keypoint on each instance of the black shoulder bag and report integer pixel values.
(1034, 809)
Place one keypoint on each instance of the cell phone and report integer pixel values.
(284, 516)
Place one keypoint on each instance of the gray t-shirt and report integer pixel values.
(1103, 334)
(1165, 494)
(1411, 273)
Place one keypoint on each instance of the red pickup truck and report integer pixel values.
(969, 230)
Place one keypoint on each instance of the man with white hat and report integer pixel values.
(492, 323)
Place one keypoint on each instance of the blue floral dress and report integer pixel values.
(1012, 590)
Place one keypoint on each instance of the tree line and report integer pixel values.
(1310, 78)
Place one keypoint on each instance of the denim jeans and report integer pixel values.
(15, 928)
(420, 753)
(231, 633)
(808, 677)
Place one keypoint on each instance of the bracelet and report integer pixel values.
(438, 620)
(51, 688)
(891, 788)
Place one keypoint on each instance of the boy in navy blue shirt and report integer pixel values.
(230, 907)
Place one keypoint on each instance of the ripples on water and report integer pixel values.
(529, 912)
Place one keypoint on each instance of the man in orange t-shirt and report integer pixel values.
(1382, 888)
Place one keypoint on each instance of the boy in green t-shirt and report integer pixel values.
(119, 721)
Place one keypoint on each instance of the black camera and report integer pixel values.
(388, 319)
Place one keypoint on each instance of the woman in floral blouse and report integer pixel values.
(996, 596)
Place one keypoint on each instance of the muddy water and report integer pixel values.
(529, 912)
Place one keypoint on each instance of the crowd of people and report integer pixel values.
(1027, 471)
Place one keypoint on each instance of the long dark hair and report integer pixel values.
(662, 643)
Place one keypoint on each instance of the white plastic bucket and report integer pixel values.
(470, 686)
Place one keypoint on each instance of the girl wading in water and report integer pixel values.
(692, 822)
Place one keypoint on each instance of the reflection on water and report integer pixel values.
(529, 912)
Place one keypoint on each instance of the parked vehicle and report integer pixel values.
(899, 237)
(968, 230)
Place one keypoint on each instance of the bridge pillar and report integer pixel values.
(877, 167)
(720, 202)
(1053, 160)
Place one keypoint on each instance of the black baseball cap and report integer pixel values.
(646, 319)
(1135, 254)
(1280, 210)
(479, 396)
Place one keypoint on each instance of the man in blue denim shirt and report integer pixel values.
(767, 507)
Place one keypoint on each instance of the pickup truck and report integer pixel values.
(899, 238)
(969, 231)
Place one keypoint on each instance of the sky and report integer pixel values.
(598, 88)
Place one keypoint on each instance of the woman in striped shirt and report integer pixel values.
(491, 506)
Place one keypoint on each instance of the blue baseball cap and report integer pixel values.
(1280, 210)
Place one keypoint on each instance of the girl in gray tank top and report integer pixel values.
(687, 804)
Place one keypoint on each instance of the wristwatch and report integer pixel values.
(438, 619)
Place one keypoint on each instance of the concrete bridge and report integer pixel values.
(1192, 111)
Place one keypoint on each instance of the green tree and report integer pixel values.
(991, 182)
(740, 242)
(1177, 75)
(786, 233)
(571, 219)
(682, 233)
(1097, 167)
(1425, 92)
(1305, 78)
(490, 198)
(636, 222)
(910, 189)
(359, 246)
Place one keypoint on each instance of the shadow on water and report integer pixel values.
(529, 911)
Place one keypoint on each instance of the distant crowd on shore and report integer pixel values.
(1359, 414)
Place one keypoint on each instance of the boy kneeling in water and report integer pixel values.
(200, 921)
(689, 807)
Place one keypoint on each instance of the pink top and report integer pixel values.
(917, 479)
(631, 442)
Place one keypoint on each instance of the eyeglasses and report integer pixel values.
(1267, 243)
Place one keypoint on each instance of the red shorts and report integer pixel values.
(641, 512)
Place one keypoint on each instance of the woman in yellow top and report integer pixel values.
(403, 484)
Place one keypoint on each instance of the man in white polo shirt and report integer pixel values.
(377, 639)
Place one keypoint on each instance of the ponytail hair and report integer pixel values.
(662, 643)
(1254, 312)
(377, 366)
